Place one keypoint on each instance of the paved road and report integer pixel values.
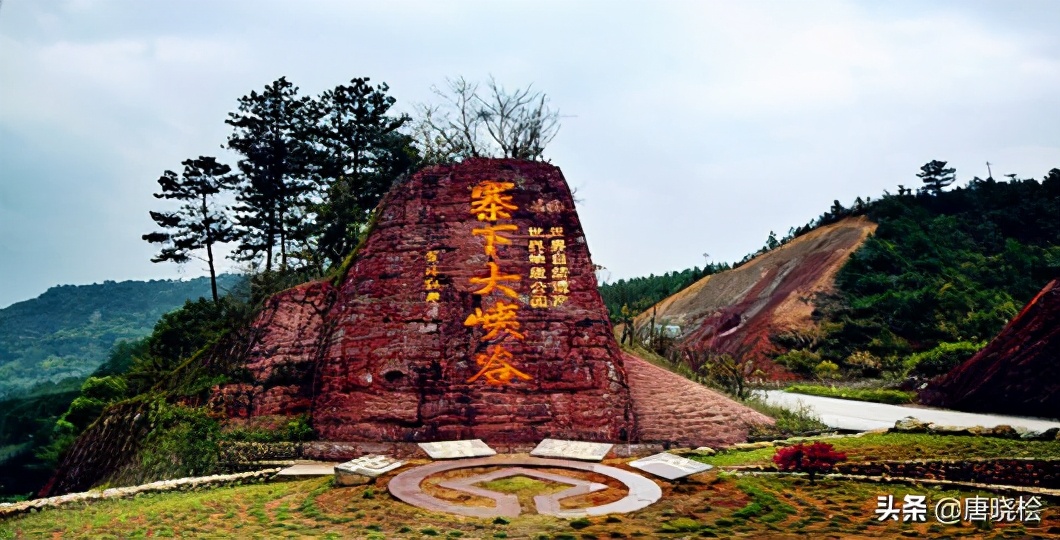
(863, 416)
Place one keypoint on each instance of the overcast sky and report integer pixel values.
(688, 128)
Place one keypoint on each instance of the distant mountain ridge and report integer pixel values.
(68, 331)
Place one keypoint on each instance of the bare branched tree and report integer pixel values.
(729, 372)
(467, 124)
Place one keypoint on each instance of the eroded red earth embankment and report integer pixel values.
(737, 311)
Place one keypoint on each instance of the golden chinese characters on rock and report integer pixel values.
(430, 278)
(553, 293)
(499, 321)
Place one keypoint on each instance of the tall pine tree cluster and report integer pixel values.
(310, 171)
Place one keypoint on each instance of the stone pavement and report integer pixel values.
(406, 487)
(671, 408)
(307, 469)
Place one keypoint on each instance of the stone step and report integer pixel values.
(307, 469)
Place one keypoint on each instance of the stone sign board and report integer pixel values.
(457, 449)
(669, 466)
(559, 448)
(363, 469)
(372, 465)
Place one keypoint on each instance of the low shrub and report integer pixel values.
(865, 363)
(787, 422)
(580, 523)
(681, 525)
(877, 395)
(940, 360)
(799, 360)
(826, 370)
(816, 458)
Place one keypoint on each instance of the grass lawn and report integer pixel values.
(905, 446)
(878, 395)
(715, 504)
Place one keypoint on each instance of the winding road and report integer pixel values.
(864, 416)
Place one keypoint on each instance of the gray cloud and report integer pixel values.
(689, 127)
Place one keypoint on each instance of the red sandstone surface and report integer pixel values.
(396, 367)
(672, 409)
(737, 311)
(372, 360)
(1016, 373)
(282, 362)
(388, 365)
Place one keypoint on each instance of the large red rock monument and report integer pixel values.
(471, 311)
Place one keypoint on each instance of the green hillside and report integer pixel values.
(942, 275)
(69, 330)
(49, 345)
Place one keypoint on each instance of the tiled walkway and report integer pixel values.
(406, 486)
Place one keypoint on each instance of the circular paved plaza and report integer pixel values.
(408, 486)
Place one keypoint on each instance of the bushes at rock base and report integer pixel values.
(826, 370)
(184, 442)
(941, 359)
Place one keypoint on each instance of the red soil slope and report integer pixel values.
(1016, 373)
(738, 310)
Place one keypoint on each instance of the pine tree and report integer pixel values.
(198, 223)
(936, 176)
(361, 153)
(772, 242)
(270, 132)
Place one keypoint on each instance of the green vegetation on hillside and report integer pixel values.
(941, 276)
(943, 273)
(39, 423)
(640, 293)
(165, 376)
(68, 331)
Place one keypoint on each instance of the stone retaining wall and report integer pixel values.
(1009, 472)
(181, 484)
(1030, 472)
(343, 451)
(239, 453)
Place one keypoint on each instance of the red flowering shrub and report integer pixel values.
(816, 458)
